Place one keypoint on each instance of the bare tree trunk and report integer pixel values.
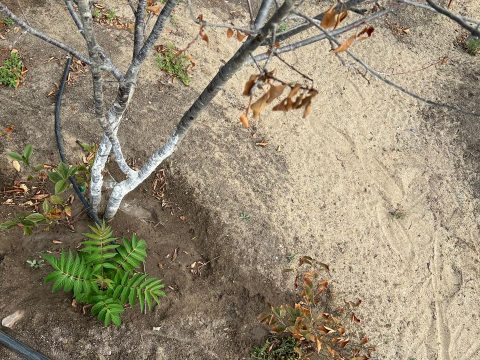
(225, 73)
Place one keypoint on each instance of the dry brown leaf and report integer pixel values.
(249, 84)
(365, 33)
(259, 105)
(308, 110)
(281, 106)
(154, 9)
(16, 165)
(346, 44)
(274, 92)
(203, 35)
(318, 344)
(240, 36)
(329, 19)
(294, 91)
(230, 32)
(340, 18)
(244, 120)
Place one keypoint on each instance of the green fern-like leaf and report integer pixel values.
(108, 310)
(131, 253)
(70, 274)
(143, 288)
(100, 247)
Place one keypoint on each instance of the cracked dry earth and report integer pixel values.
(381, 187)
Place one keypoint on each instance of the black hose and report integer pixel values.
(20, 348)
(59, 140)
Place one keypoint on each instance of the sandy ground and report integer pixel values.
(379, 186)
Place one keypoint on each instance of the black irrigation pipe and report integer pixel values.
(20, 348)
(59, 140)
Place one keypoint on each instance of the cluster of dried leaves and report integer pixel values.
(299, 96)
(315, 328)
(240, 36)
(332, 19)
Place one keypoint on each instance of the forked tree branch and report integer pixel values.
(212, 89)
(152, 38)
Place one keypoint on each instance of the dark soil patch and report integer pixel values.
(205, 316)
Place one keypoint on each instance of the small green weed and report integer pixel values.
(11, 70)
(24, 157)
(245, 216)
(281, 348)
(35, 264)
(174, 63)
(96, 13)
(111, 15)
(282, 27)
(8, 22)
(472, 45)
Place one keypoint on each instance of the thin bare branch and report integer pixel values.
(334, 33)
(74, 15)
(6, 12)
(139, 27)
(454, 17)
(262, 14)
(429, 8)
(206, 24)
(379, 76)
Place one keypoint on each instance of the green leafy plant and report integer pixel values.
(54, 206)
(103, 274)
(174, 63)
(27, 222)
(24, 157)
(60, 176)
(11, 70)
(313, 324)
(279, 348)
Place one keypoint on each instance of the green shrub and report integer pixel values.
(103, 274)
